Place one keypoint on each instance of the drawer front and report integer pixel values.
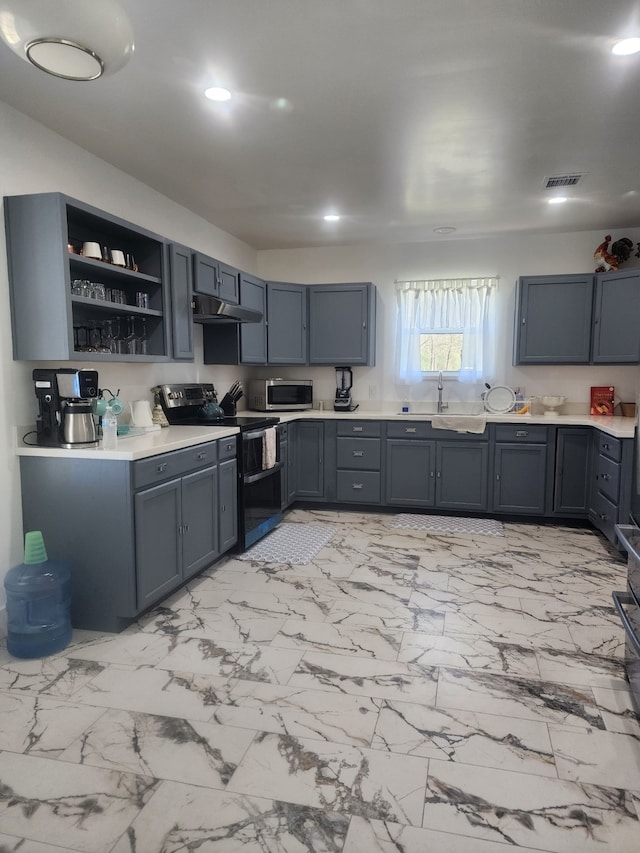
(367, 429)
(525, 433)
(155, 469)
(411, 429)
(227, 448)
(607, 474)
(604, 514)
(609, 446)
(283, 431)
(359, 453)
(358, 486)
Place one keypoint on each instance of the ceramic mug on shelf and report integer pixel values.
(92, 250)
(117, 258)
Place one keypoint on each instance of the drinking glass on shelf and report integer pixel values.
(132, 338)
(108, 340)
(118, 338)
(98, 291)
(143, 340)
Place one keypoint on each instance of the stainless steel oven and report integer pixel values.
(259, 465)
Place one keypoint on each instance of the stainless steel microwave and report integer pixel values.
(280, 395)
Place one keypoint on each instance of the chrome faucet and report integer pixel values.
(441, 406)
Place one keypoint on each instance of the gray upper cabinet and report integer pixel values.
(253, 336)
(181, 278)
(286, 323)
(213, 278)
(616, 324)
(553, 319)
(45, 233)
(342, 321)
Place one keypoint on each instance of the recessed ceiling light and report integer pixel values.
(331, 217)
(558, 199)
(217, 93)
(444, 229)
(626, 47)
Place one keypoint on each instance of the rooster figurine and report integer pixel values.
(604, 259)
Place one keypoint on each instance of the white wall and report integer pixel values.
(36, 160)
(507, 256)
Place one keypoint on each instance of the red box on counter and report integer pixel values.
(602, 399)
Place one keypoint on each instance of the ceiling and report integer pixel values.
(401, 115)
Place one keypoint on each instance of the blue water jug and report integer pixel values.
(38, 602)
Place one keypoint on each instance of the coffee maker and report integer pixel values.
(65, 416)
(344, 382)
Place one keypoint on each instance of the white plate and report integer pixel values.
(500, 399)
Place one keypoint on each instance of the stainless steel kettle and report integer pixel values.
(78, 426)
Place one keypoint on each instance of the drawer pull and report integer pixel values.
(606, 477)
(228, 447)
(522, 433)
(604, 517)
(161, 468)
(409, 429)
(606, 445)
(358, 429)
(202, 455)
(358, 452)
(357, 485)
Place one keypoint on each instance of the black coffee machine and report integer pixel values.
(65, 416)
(344, 382)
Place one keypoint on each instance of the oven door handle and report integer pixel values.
(253, 478)
(620, 598)
(258, 433)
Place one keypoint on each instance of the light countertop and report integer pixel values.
(131, 448)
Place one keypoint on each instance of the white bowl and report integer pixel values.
(552, 402)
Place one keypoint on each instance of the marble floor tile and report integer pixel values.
(131, 647)
(73, 807)
(607, 641)
(364, 677)
(469, 652)
(161, 747)
(525, 699)
(617, 710)
(587, 614)
(336, 777)
(487, 740)
(394, 617)
(182, 818)
(596, 757)
(12, 844)
(529, 811)
(227, 624)
(156, 691)
(514, 627)
(41, 725)
(338, 639)
(316, 714)
(55, 676)
(232, 660)
(382, 836)
(578, 667)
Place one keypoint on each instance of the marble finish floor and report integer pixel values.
(405, 692)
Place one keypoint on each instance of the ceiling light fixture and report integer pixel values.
(331, 217)
(444, 229)
(217, 93)
(625, 47)
(74, 40)
(558, 199)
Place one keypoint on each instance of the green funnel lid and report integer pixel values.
(34, 550)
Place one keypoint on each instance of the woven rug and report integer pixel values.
(449, 524)
(291, 543)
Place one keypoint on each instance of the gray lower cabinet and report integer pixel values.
(410, 467)
(309, 459)
(462, 471)
(342, 324)
(292, 463)
(520, 469)
(132, 532)
(610, 493)
(358, 462)
(572, 471)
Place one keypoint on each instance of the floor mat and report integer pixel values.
(449, 524)
(291, 543)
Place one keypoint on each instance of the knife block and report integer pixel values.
(228, 406)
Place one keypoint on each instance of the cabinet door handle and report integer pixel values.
(606, 477)
(186, 528)
(437, 475)
(409, 429)
(524, 321)
(162, 467)
(522, 433)
(358, 452)
(497, 476)
(358, 429)
(357, 485)
(603, 517)
(431, 474)
(180, 530)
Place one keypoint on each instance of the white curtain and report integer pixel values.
(461, 305)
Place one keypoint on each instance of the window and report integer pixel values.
(445, 325)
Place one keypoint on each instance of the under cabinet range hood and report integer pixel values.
(210, 309)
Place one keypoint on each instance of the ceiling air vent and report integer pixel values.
(562, 180)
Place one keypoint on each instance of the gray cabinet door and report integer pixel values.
(462, 469)
(286, 323)
(200, 542)
(180, 270)
(284, 474)
(228, 504)
(553, 319)
(616, 325)
(520, 478)
(410, 472)
(342, 324)
(253, 336)
(228, 283)
(310, 460)
(572, 477)
(158, 541)
(205, 275)
(292, 463)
